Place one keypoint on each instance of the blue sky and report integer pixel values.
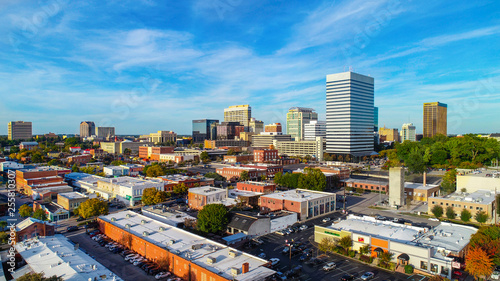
(144, 66)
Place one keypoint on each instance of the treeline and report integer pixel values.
(312, 179)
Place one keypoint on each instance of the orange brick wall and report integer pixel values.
(256, 188)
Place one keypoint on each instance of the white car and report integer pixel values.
(433, 219)
(326, 219)
(274, 261)
(258, 241)
(303, 227)
(495, 275)
(329, 266)
(162, 275)
(262, 255)
(367, 276)
(134, 256)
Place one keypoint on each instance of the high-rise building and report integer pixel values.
(273, 128)
(314, 129)
(408, 132)
(204, 129)
(375, 119)
(255, 126)
(296, 118)
(349, 113)
(238, 113)
(20, 130)
(105, 132)
(435, 119)
(229, 130)
(387, 134)
(87, 129)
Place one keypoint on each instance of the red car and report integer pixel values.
(457, 273)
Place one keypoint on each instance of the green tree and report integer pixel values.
(312, 179)
(32, 276)
(127, 151)
(25, 211)
(213, 218)
(465, 215)
(215, 176)
(93, 207)
(385, 258)
(154, 171)
(75, 168)
(263, 178)
(481, 217)
(117, 162)
(153, 196)
(449, 184)
(3, 224)
(437, 211)
(4, 237)
(364, 250)
(277, 178)
(204, 156)
(450, 212)
(54, 162)
(244, 176)
(326, 244)
(345, 243)
(231, 152)
(40, 215)
(415, 161)
(181, 189)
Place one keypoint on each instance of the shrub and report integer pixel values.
(408, 269)
(366, 259)
(360, 190)
(352, 254)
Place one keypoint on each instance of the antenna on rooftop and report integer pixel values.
(351, 68)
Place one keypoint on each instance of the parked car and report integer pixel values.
(303, 257)
(262, 255)
(495, 275)
(162, 275)
(80, 219)
(72, 228)
(326, 220)
(280, 232)
(329, 266)
(285, 251)
(281, 276)
(303, 227)
(274, 261)
(258, 241)
(367, 276)
(295, 271)
(347, 277)
(381, 218)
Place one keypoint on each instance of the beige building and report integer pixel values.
(481, 179)
(296, 118)
(256, 126)
(87, 129)
(19, 130)
(387, 134)
(301, 148)
(238, 113)
(119, 147)
(265, 140)
(480, 200)
(435, 119)
(161, 137)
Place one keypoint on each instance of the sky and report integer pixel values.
(144, 66)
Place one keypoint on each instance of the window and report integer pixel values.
(444, 270)
(434, 268)
(423, 265)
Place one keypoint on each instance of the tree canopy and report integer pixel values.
(40, 215)
(213, 218)
(244, 176)
(312, 179)
(437, 211)
(215, 176)
(93, 207)
(25, 211)
(32, 276)
(153, 196)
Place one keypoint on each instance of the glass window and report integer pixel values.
(434, 268)
(423, 265)
(444, 270)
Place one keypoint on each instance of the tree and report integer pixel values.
(231, 152)
(181, 189)
(93, 207)
(450, 212)
(4, 237)
(345, 243)
(465, 215)
(326, 245)
(244, 176)
(277, 178)
(54, 162)
(449, 184)
(488, 238)
(154, 171)
(415, 161)
(32, 276)
(117, 162)
(364, 250)
(40, 215)
(75, 168)
(3, 224)
(312, 179)
(437, 211)
(215, 176)
(263, 178)
(25, 211)
(204, 156)
(478, 263)
(481, 217)
(127, 151)
(386, 257)
(153, 196)
(213, 218)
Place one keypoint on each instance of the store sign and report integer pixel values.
(455, 264)
(332, 233)
(361, 239)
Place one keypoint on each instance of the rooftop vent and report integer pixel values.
(127, 216)
(233, 253)
(211, 260)
(235, 271)
(143, 221)
(161, 228)
(127, 226)
(113, 219)
(171, 242)
(145, 233)
(196, 246)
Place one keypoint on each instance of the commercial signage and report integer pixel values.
(332, 233)
(361, 239)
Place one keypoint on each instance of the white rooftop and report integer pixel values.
(482, 173)
(192, 247)
(206, 190)
(55, 255)
(167, 215)
(449, 236)
(29, 221)
(91, 179)
(234, 193)
(298, 195)
(414, 185)
(485, 197)
(131, 182)
(73, 195)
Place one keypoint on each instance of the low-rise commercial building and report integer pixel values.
(238, 158)
(178, 158)
(88, 183)
(270, 169)
(313, 148)
(235, 172)
(370, 185)
(128, 189)
(306, 203)
(189, 256)
(119, 147)
(477, 201)
(97, 152)
(273, 128)
(420, 192)
(56, 255)
(214, 144)
(265, 140)
(198, 197)
(28, 180)
(71, 200)
(54, 211)
(79, 159)
(153, 152)
(28, 145)
(31, 228)
(167, 215)
(161, 137)
(265, 155)
(172, 180)
(479, 179)
(430, 251)
(256, 186)
(255, 225)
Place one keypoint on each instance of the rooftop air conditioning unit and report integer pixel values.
(127, 226)
(235, 271)
(196, 246)
(145, 233)
(171, 242)
(233, 254)
(143, 221)
(161, 228)
(113, 219)
(128, 216)
(211, 260)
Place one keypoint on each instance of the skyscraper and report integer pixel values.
(87, 129)
(435, 119)
(408, 132)
(375, 119)
(19, 130)
(314, 129)
(256, 126)
(273, 128)
(105, 132)
(349, 113)
(204, 129)
(295, 120)
(238, 113)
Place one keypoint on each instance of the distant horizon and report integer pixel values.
(142, 65)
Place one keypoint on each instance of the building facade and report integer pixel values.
(265, 155)
(314, 129)
(255, 126)
(387, 134)
(256, 186)
(105, 132)
(349, 114)
(229, 130)
(273, 128)
(435, 119)
(238, 113)
(71, 200)
(264, 140)
(161, 137)
(87, 129)
(30, 228)
(296, 118)
(408, 132)
(301, 148)
(19, 130)
(204, 129)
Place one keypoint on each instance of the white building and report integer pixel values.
(349, 114)
(56, 255)
(10, 165)
(312, 148)
(114, 171)
(314, 129)
(127, 189)
(408, 132)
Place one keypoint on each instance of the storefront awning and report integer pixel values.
(403, 257)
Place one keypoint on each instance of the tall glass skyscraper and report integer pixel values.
(296, 118)
(204, 129)
(349, 114)
(435, 119)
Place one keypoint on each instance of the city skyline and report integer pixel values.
(159, 66)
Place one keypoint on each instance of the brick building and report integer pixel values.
(270, 169)
(256, 186)
(28, 145)
(71, 200)
(31, 227)
(238, 158)
(265, 155)
(153, 152)
(79, 159)
(198, 197)
(97, 152)
(235, 172)
(172, 180)
(382, 186)
(40, 177)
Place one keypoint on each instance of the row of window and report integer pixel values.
(459, 206)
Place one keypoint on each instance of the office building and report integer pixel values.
(314, 129)
(263, 140)
(153, 152)
(119, 147)
(204, 129)
(273, 128)
(349, 114)
(105, 132)
(375, 119)
(473, 180)
(213, 144)
(255, 126)
(304, 148)
(438, 251)
(229, 130)
(435, 119)
(408, 132)
(387, 134)
(19, 130)
(161, 137)
(265, 155)
(87, 129)
(296, 118)
(238, 113)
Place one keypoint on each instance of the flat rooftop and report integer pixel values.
(298, 195)
(114, 167)
(179, 177)
(73, 195)
(383, 229)
(414, 185)
(55, 255)
(83, 177)
(259, 183)
(189, 246)
(131, 182)
(206, 190)
(485, 197)
(366, 181)
(172, 217)
(44, 168)
(480, 173)
(449, 236)
(233, 193)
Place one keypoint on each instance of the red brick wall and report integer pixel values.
(39, 228)
(369, 186)
(256, 188)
